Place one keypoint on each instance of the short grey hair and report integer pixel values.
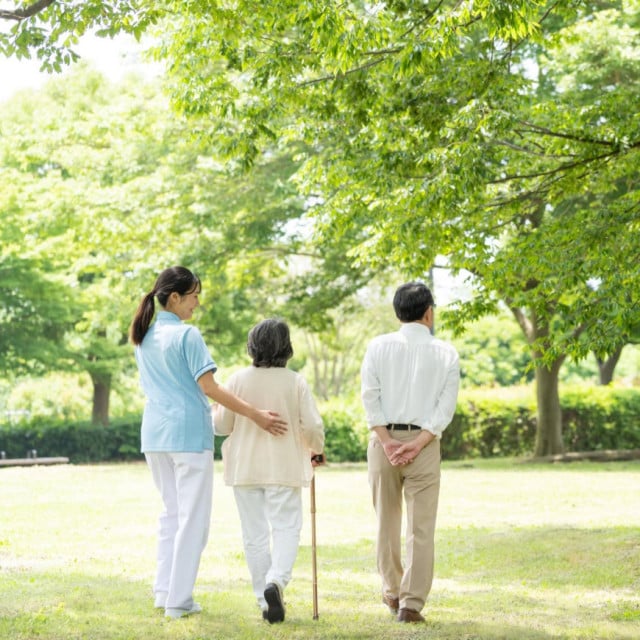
(269, 343)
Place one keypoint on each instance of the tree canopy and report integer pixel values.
(440, 128)
(101, 187)
(35, 314)
(49, 29)
(489, 133)
(499, 137)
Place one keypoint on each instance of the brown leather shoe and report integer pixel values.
(392, 603)
(409, 615)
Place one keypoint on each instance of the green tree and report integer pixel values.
(493, 351)
(428, 133)
(332, 356)
(35, 312)
(570, 197)
(105, 183)
(443, 128)
(607, 363)
(49, 29)
(88, 173)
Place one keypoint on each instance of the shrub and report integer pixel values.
(497, 423)
(345, 437)
(601, 418)
(80, 442)
(487, 423)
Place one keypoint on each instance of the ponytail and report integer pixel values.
(174, 279)
(142, 319)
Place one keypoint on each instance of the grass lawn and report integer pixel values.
(525, 552)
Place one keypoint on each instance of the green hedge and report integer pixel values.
(488, 423)
(603, 418)
(345, 434)
(487, 426)
(493, 424)
(80, 442)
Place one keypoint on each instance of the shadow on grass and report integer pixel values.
(524, 584)
(79, 606)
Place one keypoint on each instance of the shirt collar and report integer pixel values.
(414, 329)
(167, 316)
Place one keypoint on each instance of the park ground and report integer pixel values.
(524, 551)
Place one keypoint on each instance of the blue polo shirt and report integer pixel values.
(177, 414)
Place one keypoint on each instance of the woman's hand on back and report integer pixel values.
(271, 422)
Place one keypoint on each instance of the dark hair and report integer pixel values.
(269, 343)
(411, 301)
(174, 279)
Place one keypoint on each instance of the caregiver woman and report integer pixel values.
(176, 375)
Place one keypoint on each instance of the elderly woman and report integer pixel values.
(267, 471)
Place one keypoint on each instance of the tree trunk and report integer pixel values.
(549, 431)
(549, 413)
(101, 391)
(608, 366)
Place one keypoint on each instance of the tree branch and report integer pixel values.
(380, 53)
(550, 172)
(550, 10)
(534, 128)
(27, 12)
(334, 76)
(541, 153)
(523, 321)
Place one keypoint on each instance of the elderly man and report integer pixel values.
(409, 390)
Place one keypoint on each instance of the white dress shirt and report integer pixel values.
(410, 377)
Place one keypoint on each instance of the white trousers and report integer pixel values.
(271, 519)
(185, 482)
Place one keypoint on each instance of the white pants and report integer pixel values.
(267, 512)
(185, 482)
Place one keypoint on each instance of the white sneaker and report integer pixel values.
(181, 613)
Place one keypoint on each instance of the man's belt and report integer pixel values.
(403, 427)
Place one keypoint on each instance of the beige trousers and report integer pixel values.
(420, 483)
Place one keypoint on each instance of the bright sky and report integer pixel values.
(113, 57)
(123, 55)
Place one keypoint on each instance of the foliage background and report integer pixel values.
(485, 425)
(292, 170)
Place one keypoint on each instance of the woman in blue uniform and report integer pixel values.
(177, 377)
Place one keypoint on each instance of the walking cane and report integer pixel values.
(314, 566)
(317, 460)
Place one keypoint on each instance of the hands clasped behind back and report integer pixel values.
(400, 453)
